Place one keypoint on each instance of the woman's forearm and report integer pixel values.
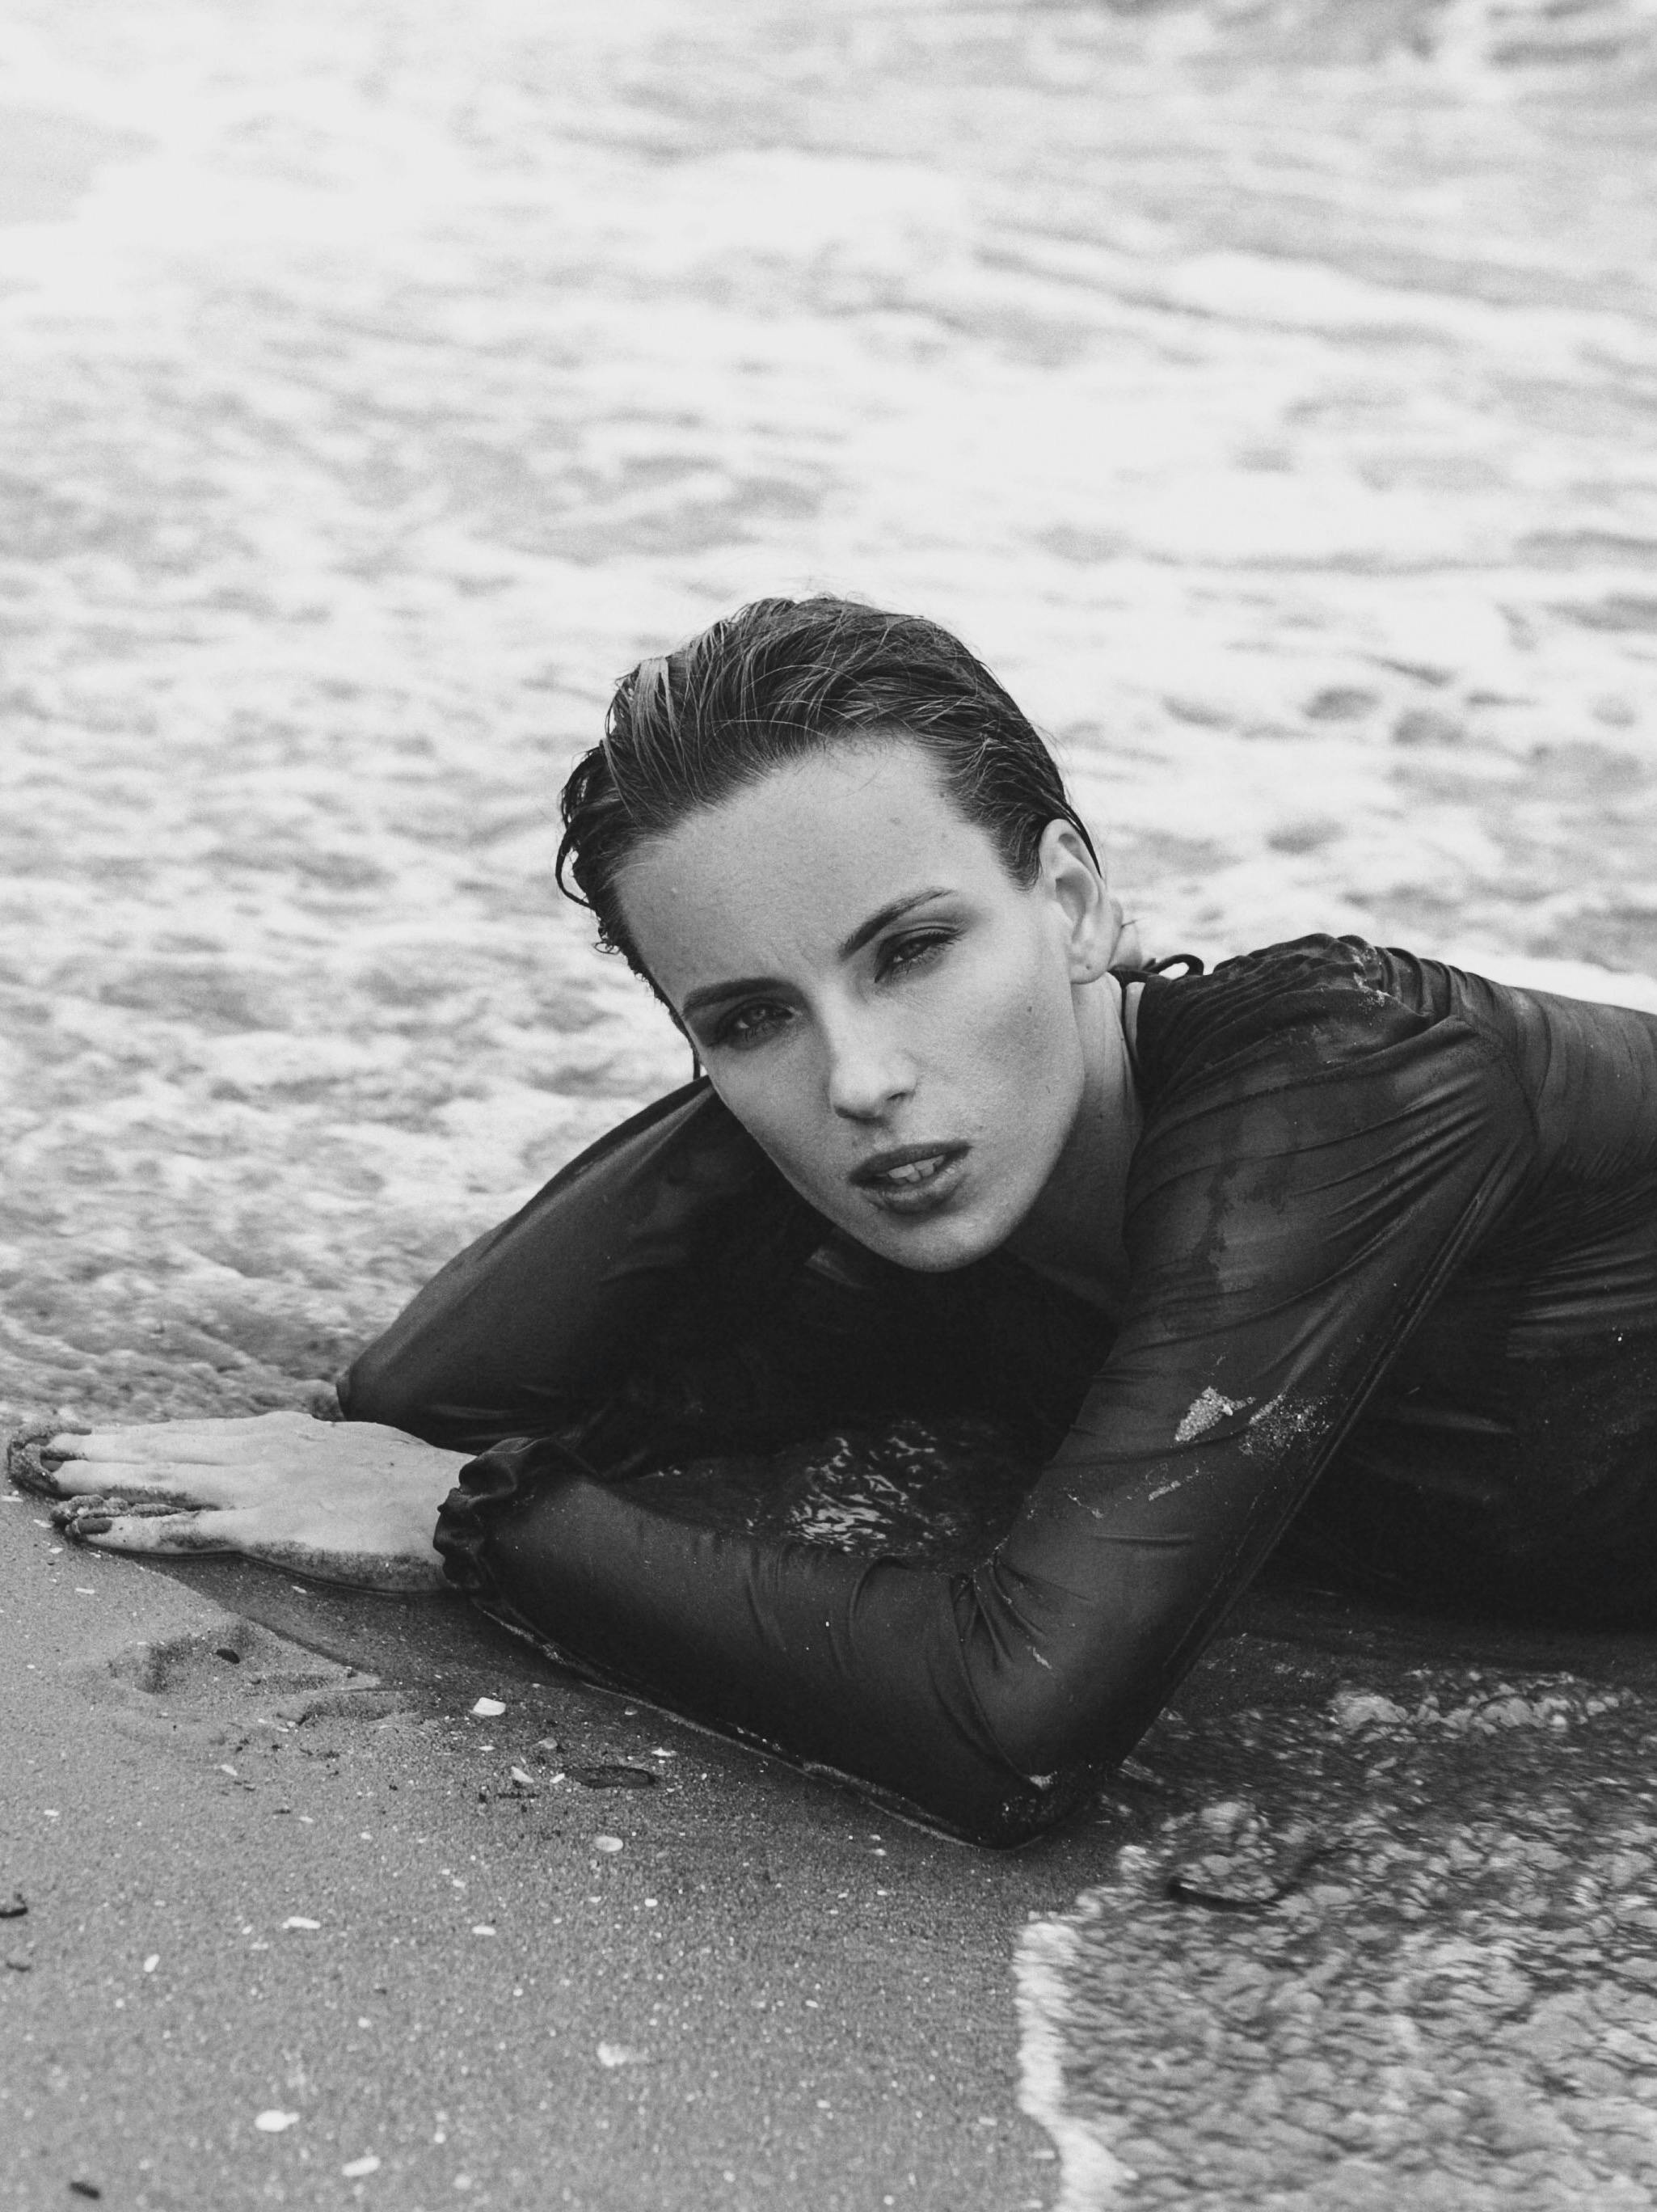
(541, 1316)
(830, 1660)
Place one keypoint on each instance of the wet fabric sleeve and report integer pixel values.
(670, 1232)
(1301, 1192)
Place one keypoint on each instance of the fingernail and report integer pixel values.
(91, 1524)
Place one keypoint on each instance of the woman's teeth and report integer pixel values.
(915, 1171)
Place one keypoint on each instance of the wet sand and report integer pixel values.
(766, 1995)
(1267, 394)
(1358, 1919)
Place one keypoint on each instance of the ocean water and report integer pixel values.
(1267, 391)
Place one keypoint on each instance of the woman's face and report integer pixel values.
(900, 1026)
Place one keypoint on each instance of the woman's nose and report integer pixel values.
(869, 1070)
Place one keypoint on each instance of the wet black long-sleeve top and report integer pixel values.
(1383, 1218)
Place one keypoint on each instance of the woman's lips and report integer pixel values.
(912, 1178)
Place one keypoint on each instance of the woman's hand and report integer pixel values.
(345, 1501)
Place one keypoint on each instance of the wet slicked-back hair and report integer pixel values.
(777, 681)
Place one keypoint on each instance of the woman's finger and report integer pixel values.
(153, 1532)
(112, 1504)
(78, 1478)
(191, 1444)
(190, 1486)
(27, 1468)
(113, 1524)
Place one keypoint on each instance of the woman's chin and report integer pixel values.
(931, 1244)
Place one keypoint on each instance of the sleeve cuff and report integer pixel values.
(491, 1486)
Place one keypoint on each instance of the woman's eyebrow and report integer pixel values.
(714, 994)
(864, 930)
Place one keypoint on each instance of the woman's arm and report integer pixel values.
(1293, 1214)
(530, 1325)
(659, 1242)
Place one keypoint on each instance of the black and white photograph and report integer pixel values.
(829, 1105)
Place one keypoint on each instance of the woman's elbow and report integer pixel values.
(1059, 1749)
(1047, 1803)
(1011, 1792)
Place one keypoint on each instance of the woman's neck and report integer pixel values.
(1073, 1233)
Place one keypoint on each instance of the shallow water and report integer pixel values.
(1267, 391)
(1422, 1969)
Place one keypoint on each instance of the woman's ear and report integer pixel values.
(1076, 883)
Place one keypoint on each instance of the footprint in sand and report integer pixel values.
(228, 1683)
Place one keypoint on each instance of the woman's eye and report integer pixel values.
(906, 952)
(750, 1025)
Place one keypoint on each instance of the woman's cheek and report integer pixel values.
(1010, 1016)
(1034, 1065)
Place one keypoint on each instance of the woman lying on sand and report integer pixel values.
(1334, 1237)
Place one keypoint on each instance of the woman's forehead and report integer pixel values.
(795, 863)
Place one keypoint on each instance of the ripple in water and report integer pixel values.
(1403, 1950)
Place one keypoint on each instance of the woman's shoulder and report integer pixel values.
(1306, 1005)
